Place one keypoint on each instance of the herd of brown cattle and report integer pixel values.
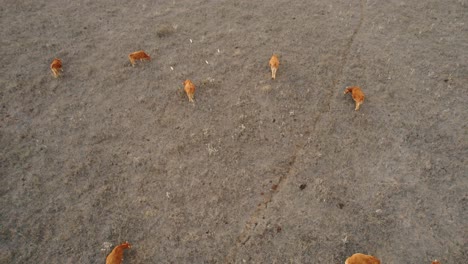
(116, 256)
(189, 87)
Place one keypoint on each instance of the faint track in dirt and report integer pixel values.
(259, 212)
(345, 55)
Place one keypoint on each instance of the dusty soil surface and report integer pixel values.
(256, 170)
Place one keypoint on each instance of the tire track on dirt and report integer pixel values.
(259, 212)
(345, 56)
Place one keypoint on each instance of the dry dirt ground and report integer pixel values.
(256, 171)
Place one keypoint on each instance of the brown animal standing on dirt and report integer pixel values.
(359, 258)
(435, 262)
(138, 55)
(189, 88)
(56, 67)
(357, 95)
(274, 64)
(116, 256)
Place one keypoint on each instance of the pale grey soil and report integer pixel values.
(256, 171)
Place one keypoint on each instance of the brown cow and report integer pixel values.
(357, 95)
(116, 256)
(56, 67)
(359, 258)
(274, 64)
(189, 88)
(138, 55)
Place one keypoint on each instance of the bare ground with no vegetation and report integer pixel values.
(257, 170)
